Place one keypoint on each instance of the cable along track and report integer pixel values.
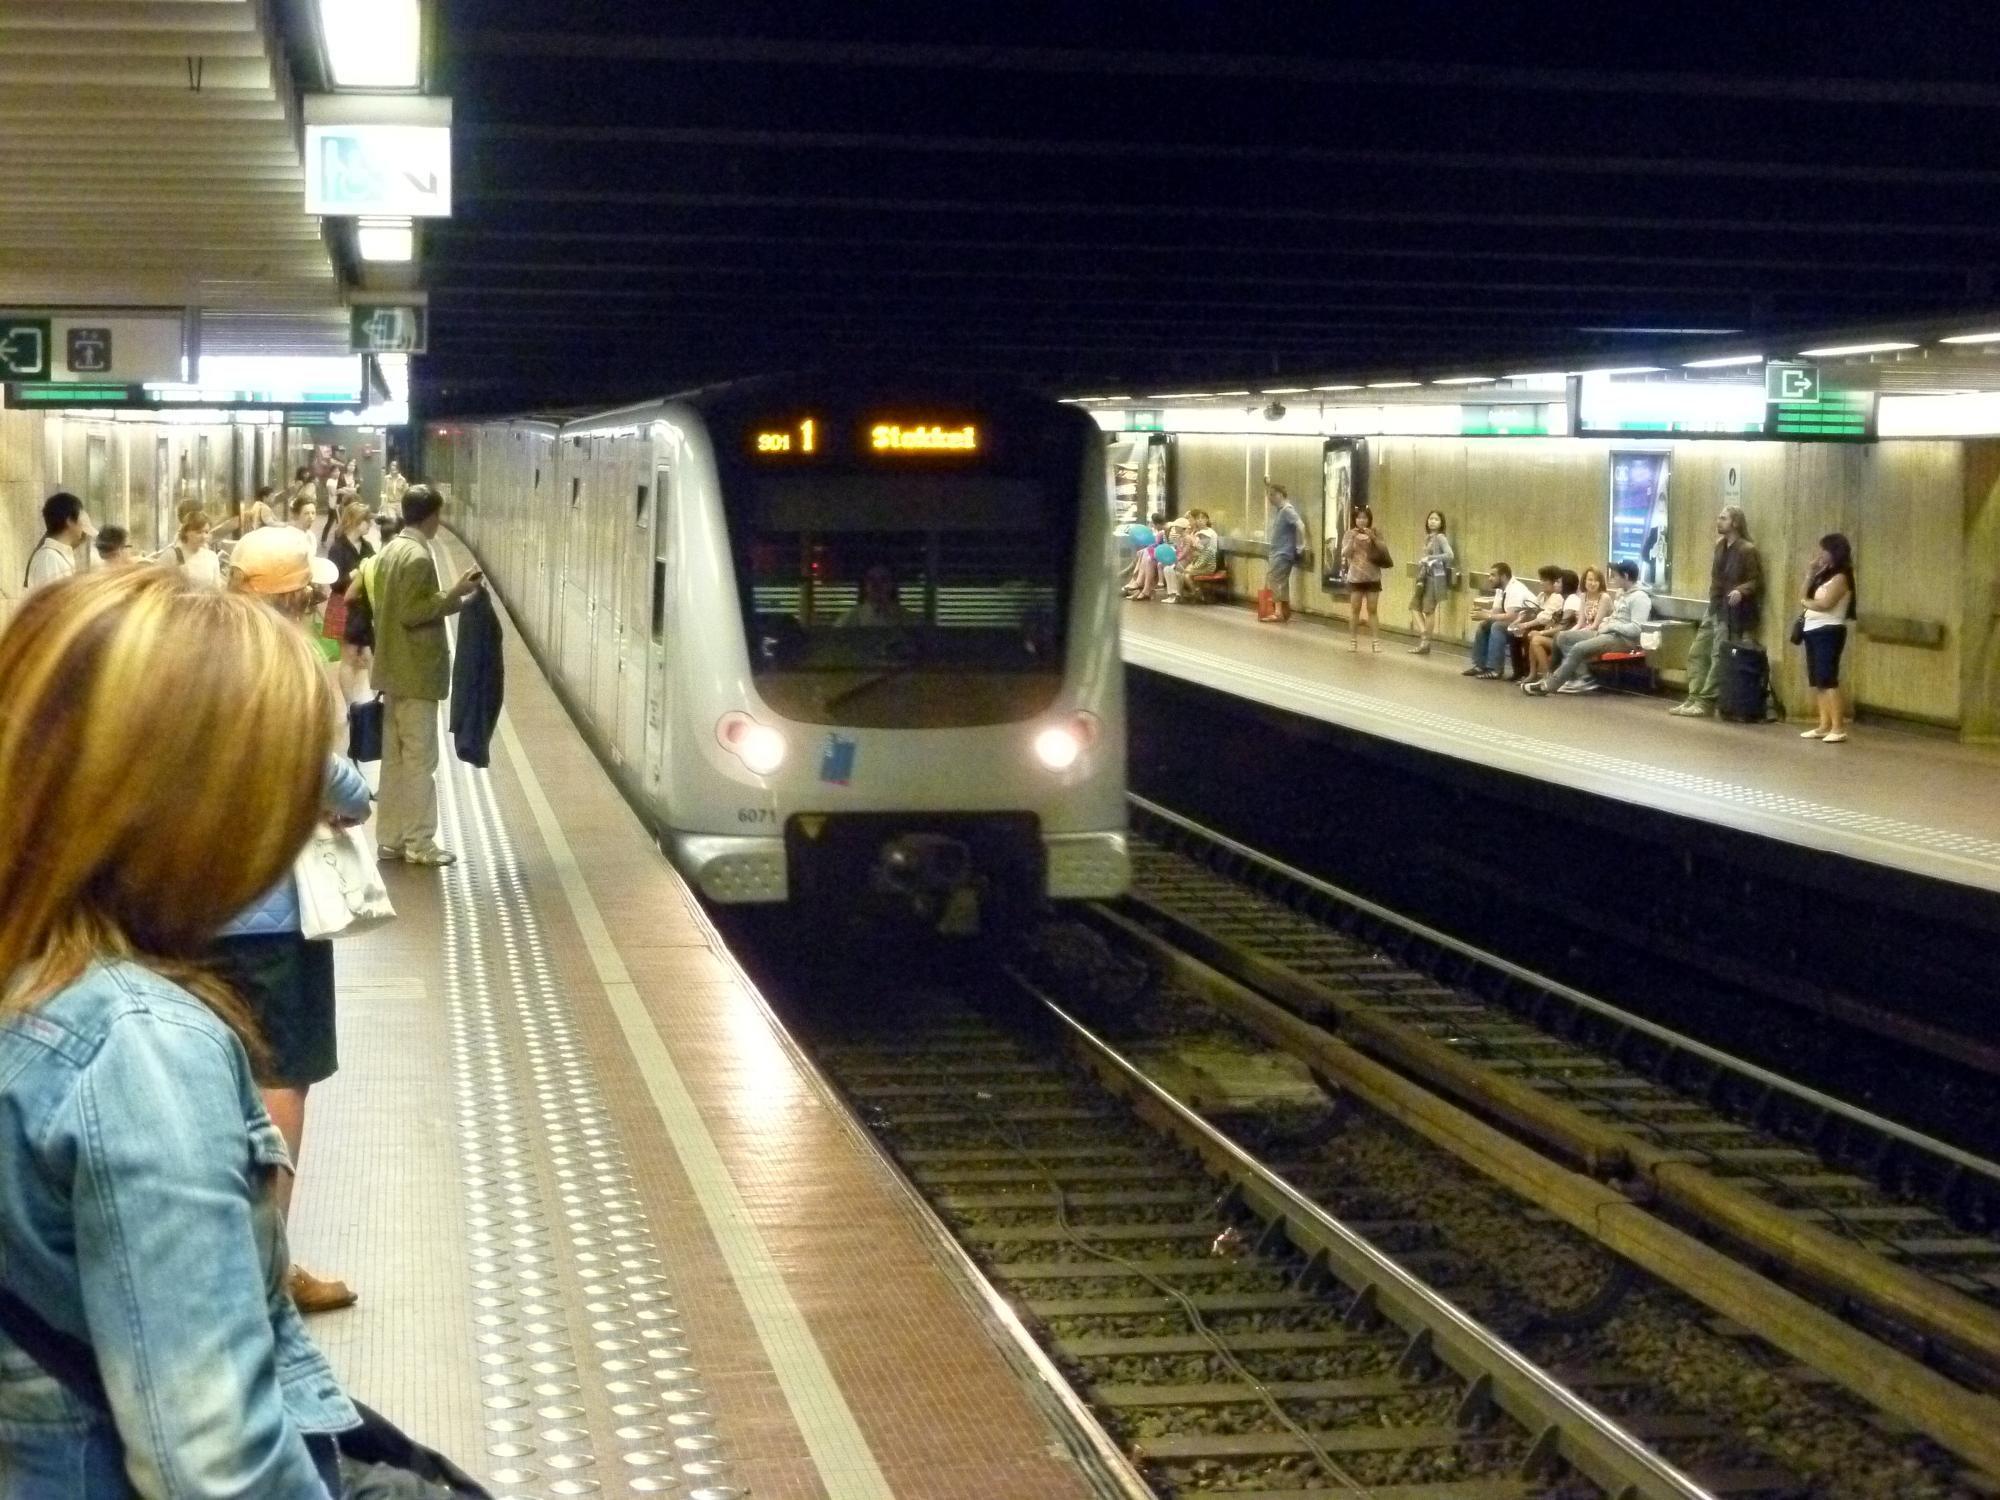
(1237, 1338)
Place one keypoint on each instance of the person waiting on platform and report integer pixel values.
(192, 554)
(1735, 592)
(1555, 611)
(1434, 566)
(137, 1163)
(114, 548)
(1511, 600)
(1827, 605)
(305, 513)
(1199, 558)
(1143, 580)
(1586, 607)
(64, 525)
(1363, 557)
(878, 608)
(1619, 632)
(1285, 545)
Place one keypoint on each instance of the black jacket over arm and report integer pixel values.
(478, 681)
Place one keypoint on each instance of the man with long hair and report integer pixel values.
(1735, 593)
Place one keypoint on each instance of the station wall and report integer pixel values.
(1924, 517)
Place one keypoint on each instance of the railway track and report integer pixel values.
(1894, 1226)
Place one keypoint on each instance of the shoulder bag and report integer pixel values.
(340, 888)
(1378, 554)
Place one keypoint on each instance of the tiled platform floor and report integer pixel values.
(608, 1238)
(1894, 797)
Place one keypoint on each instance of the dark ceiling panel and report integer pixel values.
(1137, 198)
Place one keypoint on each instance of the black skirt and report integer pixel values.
(286, 981)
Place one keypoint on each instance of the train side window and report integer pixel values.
(659, 599)
(640, 514)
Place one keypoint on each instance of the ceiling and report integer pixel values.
(1122, 198)
(151, 158)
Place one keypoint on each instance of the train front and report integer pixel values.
(931, 637)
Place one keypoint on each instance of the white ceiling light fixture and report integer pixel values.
(1282, 390)
(1232, 393)
(1393, 385)
(373, 44)
(1336, 387)
(1834, 351)
(1181, 396)
(1972, 338)
(1723, 361)
(1625, 370)
(386, 239)
(1464, 380)
(1536, 376)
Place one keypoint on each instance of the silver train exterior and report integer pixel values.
(846, 646)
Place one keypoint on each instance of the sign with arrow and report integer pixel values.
(1788, 381)
(24, 348)
(401, 171)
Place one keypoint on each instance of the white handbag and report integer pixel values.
(340, 889)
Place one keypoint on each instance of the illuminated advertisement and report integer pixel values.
(1639, 515)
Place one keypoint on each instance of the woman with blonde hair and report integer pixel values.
(163, 749)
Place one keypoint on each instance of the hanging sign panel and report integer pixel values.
(371, 169)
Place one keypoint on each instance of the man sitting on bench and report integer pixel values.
(1580, 648)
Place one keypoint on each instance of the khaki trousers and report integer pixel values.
(406, 812)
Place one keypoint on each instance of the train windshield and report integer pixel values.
(906, 600)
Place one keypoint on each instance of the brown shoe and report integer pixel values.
(312, 1295)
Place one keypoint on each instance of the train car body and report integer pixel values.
(843, 647)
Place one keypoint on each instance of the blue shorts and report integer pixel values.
(1824, 645)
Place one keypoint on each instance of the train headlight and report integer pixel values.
(760, 747)
(1060, 745)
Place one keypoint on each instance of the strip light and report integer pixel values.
(1393, 385)
(1723, 361)
(1833, 351)
(386, 240)
(372, 44)
(1464, 380)
(1972, 338)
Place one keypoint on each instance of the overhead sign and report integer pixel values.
(387, 328)
(24, 348)
(396, 170)
(1790, 382)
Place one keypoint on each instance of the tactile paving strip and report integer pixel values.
(587, 1386)
(1492, 742)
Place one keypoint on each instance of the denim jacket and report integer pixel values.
(135, 1215)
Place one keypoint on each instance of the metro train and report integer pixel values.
(846, 647)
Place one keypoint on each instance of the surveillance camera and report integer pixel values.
(1274, 412)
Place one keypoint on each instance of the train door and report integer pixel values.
(659, 578)
(575, 563)
(165, 518)
(634, 563)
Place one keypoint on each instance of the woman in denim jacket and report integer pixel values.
(163, 750)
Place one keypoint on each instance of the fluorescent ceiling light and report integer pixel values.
(1537, 375)
(1282, 390)
(1232, 393)
(1723, 360)
(1392, 385)
(386, 239)
(1972, 338)
(372, 44)
(1181, 396)
(1832, 351)
(1626, 370)
(1464, 380)
(1336, 387)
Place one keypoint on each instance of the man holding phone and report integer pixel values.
(413, 674)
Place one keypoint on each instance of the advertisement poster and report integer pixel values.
(1639, 515)
(1340, 494)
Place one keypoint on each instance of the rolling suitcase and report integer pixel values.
(1746, 682)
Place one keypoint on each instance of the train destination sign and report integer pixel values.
(807, 435)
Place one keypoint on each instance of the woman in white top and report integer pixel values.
(1827, 605)
(192, 554)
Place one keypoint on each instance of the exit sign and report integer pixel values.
(1791, 382)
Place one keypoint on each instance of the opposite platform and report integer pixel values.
(609, 1236)
(1903, 799)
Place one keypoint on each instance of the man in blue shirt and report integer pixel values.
(1285, 544)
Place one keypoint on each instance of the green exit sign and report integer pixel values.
(1791, 382)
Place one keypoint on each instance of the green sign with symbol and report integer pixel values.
(24, 348)
(1791, 383)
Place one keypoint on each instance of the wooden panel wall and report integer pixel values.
(1917, 518)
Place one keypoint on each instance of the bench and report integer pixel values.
(1620, 667)
(1206, 588)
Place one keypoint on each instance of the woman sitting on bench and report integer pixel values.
(1199, 564)
(1580, 648)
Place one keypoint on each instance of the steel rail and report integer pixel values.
(1566, 1426)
